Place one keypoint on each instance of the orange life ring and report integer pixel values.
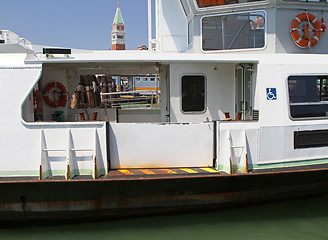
(63, 99)
(301, 41)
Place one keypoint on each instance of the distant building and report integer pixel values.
(142, 47)
(118, 33)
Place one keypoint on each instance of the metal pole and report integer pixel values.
(149, 26)
(156, 91)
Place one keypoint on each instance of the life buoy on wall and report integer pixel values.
(306, 41)
(63, 99)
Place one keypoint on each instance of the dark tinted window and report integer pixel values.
(193, 93)
(308, 96)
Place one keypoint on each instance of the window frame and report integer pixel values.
(230, 5)
(263, 12)
(305, 103)
(305, 3)
(183, 7)
(205, 93)
(190, 33)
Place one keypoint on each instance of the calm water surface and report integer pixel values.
(295, 219)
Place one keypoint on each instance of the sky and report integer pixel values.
(83, 24)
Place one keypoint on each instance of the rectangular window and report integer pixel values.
(234, 31)
(308, 96)
(193, 93)
(310, 139)
(213, 3)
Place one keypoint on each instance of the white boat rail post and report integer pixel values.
(69, 156)
(239, 151)
(45, 170)
(95, 171)
(243, 165)
(224, 154)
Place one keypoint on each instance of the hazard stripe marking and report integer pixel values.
(188, 170)
(211, 170)
(168, 171)
(126, 172)
(146, 171)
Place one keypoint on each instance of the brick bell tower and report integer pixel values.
(118, 33)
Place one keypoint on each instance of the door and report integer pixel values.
(243, 97)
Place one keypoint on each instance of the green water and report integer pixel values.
(295, 219)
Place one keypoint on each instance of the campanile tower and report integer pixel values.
(118, 33)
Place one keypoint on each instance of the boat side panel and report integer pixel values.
(16, 140)
(134, 145)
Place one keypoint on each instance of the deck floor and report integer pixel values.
(129, 174)
(158, 173)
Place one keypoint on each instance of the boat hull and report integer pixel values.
(111, 198)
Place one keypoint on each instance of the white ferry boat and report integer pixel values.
(242, 115)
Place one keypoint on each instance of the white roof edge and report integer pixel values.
(146, 56)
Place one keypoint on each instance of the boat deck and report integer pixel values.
(130, 174)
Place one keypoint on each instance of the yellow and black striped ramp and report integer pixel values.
(160, 172)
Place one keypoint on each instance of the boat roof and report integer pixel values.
(154, 57)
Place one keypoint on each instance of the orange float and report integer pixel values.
(306, 41)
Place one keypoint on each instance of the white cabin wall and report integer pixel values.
(271, 112)
(17, 140)
(220, 88)
(284, 42)
(276, 133)
(270, 38)
(171, 27)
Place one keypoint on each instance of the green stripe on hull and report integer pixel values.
(35, 173)
(289, 164)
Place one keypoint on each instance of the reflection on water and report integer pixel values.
(295, 219)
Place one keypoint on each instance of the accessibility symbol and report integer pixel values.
(271, 93)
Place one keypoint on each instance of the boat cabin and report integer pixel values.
(225, 84)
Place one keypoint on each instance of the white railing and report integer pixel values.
(132, 99)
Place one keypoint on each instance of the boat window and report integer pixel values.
(213, 3)
(92, 97)
(234, 31)
(185, 7)
(193, 93)
(308, 96)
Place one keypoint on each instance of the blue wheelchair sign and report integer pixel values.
(271, 93)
